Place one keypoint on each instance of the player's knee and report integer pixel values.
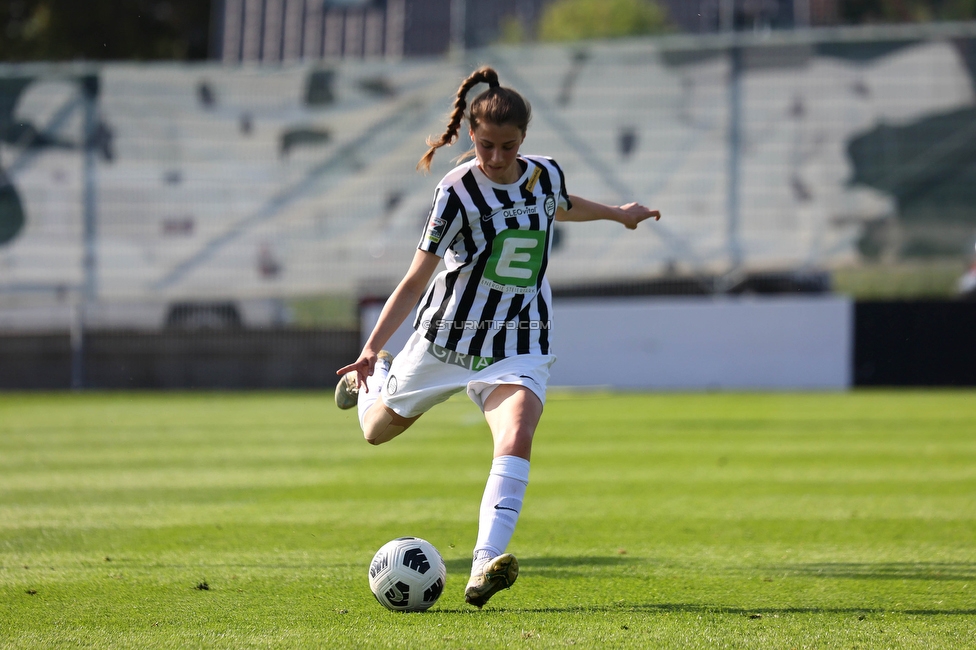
(386, 434)
(382, 425)
(374, 428)
(373, 437)
(373, 422)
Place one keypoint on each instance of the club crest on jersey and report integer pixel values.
(549, 205)
(435, 230)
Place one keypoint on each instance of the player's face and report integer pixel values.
(496, 147)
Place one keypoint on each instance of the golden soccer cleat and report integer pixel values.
(347, 391)
(499, 573)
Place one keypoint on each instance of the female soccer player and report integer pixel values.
(483, 324)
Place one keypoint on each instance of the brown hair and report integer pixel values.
(497, 105)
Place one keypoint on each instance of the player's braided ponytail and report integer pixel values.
(496, 105)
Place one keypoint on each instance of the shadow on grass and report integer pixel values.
(698, 608)
(552, 567)
(878, 570)
(562, 566)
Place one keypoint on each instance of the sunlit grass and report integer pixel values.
(668, 520)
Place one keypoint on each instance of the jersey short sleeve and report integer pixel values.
(548, 175)
(444, 222)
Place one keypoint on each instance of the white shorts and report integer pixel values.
(423, 375)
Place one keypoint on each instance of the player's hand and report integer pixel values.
(363, 367)
(632, 214)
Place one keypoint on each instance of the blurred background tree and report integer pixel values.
(905, 11)
(60, 30)
(569, 20)
(64, 30)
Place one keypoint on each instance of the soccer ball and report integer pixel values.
(407, 575)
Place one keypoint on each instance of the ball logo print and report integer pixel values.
(434, 591)
(379, 563)
(407, 574)
(416, 560)
(398, 595)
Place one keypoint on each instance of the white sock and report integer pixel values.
(376, 382)
(500, 507)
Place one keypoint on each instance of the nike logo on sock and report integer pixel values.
(504, 508)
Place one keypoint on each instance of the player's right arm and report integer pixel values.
(395, 311)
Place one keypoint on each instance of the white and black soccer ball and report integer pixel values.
(407, 575)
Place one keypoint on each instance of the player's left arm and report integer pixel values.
(629, 214)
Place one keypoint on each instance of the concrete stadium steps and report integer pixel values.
(257, 193)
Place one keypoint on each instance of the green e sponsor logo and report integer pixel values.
(516, 257)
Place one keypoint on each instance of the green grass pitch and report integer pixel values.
(829, 520)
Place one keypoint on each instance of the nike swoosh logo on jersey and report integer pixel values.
(512, 212)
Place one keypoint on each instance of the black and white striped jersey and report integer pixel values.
(493, 300)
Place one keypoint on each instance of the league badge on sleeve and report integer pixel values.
(435, 229)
